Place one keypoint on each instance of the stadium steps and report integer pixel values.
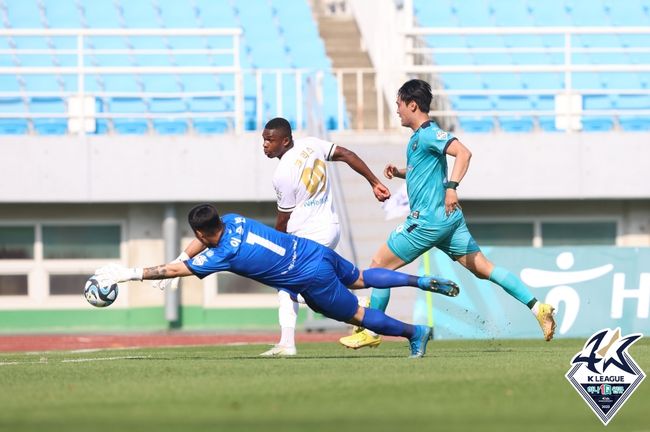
(343, 46)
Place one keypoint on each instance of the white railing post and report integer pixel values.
(259, 102)
(380, 104)
(278, 94)
(239, 88)
(360, 108)
(567, 82)
(339, 101)
(81, 84)
(299, 107)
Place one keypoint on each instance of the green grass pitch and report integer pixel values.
(459, 386)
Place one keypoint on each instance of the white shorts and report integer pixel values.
(328, 235)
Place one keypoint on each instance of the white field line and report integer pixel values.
(80, 360)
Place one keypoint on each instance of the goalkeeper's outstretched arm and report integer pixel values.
(120, 273)
(166, 271)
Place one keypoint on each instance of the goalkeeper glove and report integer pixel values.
(119, 273)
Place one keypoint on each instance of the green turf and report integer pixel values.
(460, 386)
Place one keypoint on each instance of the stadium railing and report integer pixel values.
(89, 74)
(578, 76)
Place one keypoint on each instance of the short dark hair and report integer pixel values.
(280, 124)
(204, 218)
(418, 91)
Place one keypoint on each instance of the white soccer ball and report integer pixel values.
(100, 292)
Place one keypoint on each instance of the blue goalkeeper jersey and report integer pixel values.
(426, 173)
(251, 249)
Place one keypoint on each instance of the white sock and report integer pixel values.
(535, 308)
(287, 315)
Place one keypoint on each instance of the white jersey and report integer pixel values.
(302, 186)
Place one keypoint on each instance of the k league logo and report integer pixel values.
(604, 373)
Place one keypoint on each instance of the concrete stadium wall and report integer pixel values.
(230, 168)
(534, 166)
(134, 169)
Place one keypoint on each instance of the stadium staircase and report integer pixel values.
(344, 47)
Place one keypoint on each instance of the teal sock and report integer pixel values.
(379, 299)
(512, 285)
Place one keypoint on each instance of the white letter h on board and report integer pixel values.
(642, 294)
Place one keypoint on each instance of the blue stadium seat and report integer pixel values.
(634, 123)
(587, 80)
(171, 125)
(49, 126)
(216, 13)
(586, 12)
(547, 13)
(515, 124)
(100, 14)
(462, 81)
(12, 126)
(503, 81)
(543, 81)
(597, 102)
(472, 14)
(208, 126)
(204, 126)
(62, 14)
(9, 83)
(177, 13)
(547, 124)
(597, 124)
(511, 14)
(631, 101)
(440, 15)
(544, 103)
(621, 80)
(471, 103)
(128, 126)
(627, 13)
(24, 14)
(446, 59)
(513, 103)
(139, 14)
(476, 125)
(41, 83)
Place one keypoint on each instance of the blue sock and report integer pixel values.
(384, 278)
(512, 285)
(381, 323)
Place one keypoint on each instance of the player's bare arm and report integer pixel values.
(282, 220)
(462, 156)
(166, 271)
(349, 157)
(194, 248)
(391, 171)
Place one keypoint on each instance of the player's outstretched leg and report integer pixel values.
(418, 335)
(288, 315)
(381, 280)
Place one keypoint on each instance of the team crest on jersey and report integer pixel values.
(441, 135)
(199, 260)
(415, 144)
(604, 373)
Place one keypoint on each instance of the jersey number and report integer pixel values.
(254, 239)
(314, 178)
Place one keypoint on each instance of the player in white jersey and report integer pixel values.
(305, 202)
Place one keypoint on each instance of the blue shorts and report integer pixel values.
(416, 236)
(327, 293)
